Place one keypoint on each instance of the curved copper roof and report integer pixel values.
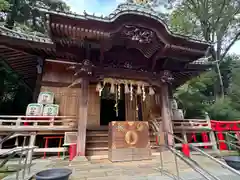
(64, 28)
(127, 9)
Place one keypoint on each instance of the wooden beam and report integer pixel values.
(159, 54)
(197, 144)
(101, 53)
(82, 118)
(35, 128)
(166, 115)
(37, 87)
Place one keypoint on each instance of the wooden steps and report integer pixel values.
(97, 142)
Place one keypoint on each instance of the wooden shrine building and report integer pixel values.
(121, 67)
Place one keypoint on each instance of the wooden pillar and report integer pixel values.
(130, 108)
(211, 133)
(166, 114)
(38, 80)
(82, 118)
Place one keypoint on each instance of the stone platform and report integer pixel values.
(141, 170)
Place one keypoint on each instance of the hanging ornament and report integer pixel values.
(137, 118)
(131, 92)
(116, 103)
(99, 88)
(112, 88)
(143, 93)
(126, 89)
(138, 89)
(151, 91)
(119, 91)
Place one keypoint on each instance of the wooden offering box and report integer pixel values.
(128, 141)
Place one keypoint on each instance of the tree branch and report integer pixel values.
(230, 45)
(220, 12)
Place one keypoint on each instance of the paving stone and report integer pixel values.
(89, 175)
(109, 178)
(141, 170)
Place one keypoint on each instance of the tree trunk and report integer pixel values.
(220, 85)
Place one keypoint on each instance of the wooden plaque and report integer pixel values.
(129, 141)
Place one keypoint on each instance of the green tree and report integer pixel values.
(24, 13)
(234, 87)
(14, 95)
(216, 21)
(4, 5)
(197, 95)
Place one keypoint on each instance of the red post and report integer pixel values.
(25, 123)
(157, 142)
(72, 151)
(194, 137)
(205, 138)
(222, 145)
(186, 150)
(46, 146)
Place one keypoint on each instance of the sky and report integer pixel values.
(105, 7)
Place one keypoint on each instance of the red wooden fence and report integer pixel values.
(225, 126)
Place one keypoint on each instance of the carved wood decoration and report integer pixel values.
(129, 141)
(141, 35)
(121, 57)
(166, 77)
(84, 68)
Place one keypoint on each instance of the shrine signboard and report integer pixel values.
(128, 141)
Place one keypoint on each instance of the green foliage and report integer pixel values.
(4, 5)
(184, 22)
(217, 22)
(14, 96)
(21, 15)
(25, 13)
(214, 21)
(222, 109)
(197, 95)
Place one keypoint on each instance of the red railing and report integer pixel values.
(219, 127)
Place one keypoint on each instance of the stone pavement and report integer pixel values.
(141, 170)
(37, 165)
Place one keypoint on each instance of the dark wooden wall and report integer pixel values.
(57, 78)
